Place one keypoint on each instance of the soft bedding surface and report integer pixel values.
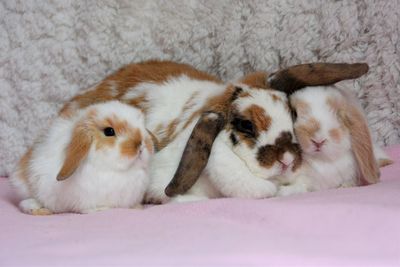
(343, 227)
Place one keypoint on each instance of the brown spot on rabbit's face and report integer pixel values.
(301, 107)
(118, 126)
(305, 131)
(268, 155)
(132, 145)
(276, 98)
(258, 138)
(248, 124)
(257, 114)
(335, 134)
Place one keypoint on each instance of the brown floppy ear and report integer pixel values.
(314, 74)
(76, 151)
(361, 144)
(197, 151)
(296, 77)
(198, 148)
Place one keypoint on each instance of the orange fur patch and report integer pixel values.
(23, 169)
(117, 84)
(305, 132)
(77, 150)
(385, 162)
(139, 102)
(257, 115)
(276, 98)
(256, 80)
(131, 147)
(169, 134)
(149, 145)
(335, 134)
(361, 143)
(41, 212)
(301, 106)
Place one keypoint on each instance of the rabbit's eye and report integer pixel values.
(244, 126)
(109, 131)
(294, 114)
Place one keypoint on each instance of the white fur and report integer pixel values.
(105, 179)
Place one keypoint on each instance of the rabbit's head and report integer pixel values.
(329, 125)
(109, 135)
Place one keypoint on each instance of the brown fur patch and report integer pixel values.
(149, 145)
(385, 162)
(305, 132)
(139, 102)
(258, 116)
(300, 106)
(293, 78)
(41, 212)
(244, 94)
(335, 134)
(256, 80)
(361, 144)
(190, 103)
(196, 153)
(131, 75)
(77, 150)
(23, 169)
(131, 146)
(268, 155)
(276, 98)
(169, 134)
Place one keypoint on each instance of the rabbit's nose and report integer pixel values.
(286, 160)
(318, 143)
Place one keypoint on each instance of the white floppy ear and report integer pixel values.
(76, 151)
(361, 143)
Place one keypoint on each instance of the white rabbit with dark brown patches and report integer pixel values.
(203, 126)
(94, 160)
(256, 143)
(336, 143)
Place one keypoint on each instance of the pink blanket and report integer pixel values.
(343, 227)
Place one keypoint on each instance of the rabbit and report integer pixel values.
(336, 144)
(93, 160)
(188, 110)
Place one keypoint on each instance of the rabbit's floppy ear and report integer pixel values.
(314, 74)
(296, 77)
(361, 144)
(76, 151)
(198, 148)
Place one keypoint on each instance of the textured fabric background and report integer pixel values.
(51, 49)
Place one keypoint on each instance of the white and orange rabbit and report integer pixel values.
(337, 150)
(94, 159)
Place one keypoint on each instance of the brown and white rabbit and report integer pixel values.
(335, 140)
(187, 110)
(93, 160)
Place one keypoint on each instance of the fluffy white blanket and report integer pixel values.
(50, 49)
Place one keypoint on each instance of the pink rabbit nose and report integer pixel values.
(318, 144)
(286, 160)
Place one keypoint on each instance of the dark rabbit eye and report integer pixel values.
(244, 126)
(294, 114)
(109, 131)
